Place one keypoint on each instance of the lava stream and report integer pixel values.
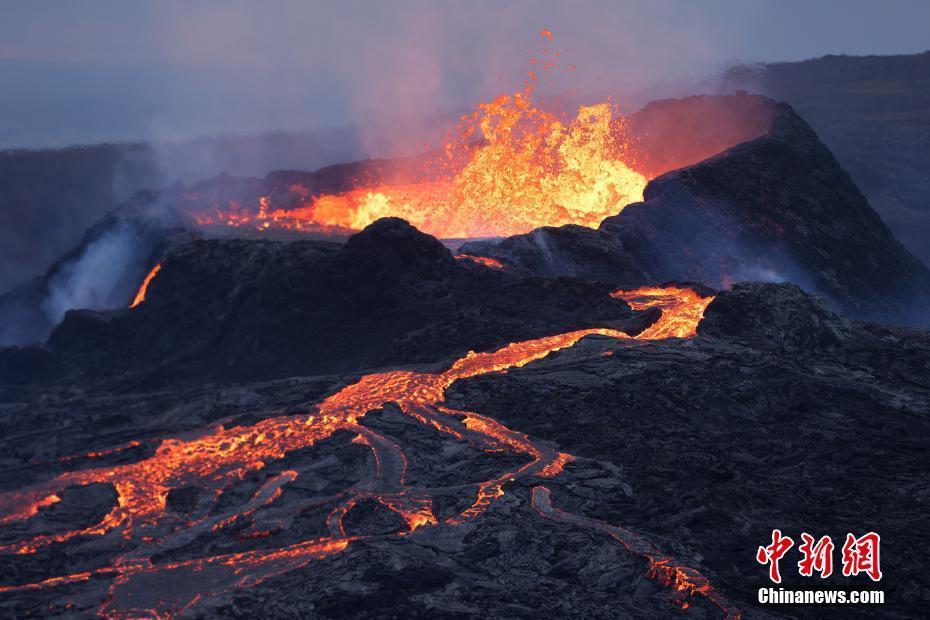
(140, 294)
(493, 263)
(219, 457)
(682, 310)
(664, 568)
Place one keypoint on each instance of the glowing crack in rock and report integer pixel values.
(217, 458)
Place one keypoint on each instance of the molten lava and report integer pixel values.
(140, 294)
(493, 263)
(682, 310)
(512, 166)
(215, 459)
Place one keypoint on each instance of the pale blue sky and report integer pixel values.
(84, 71)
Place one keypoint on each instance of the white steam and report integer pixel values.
(96, 279)
(755, 273)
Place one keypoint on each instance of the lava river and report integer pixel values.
(215, 459)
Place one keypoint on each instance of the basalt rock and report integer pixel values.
(701, 445)
(779, 414)
(237, 309)
(100, 272)
(778, 207)
(571, 250)
(817, 425)
(779, 315)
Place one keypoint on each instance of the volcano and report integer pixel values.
(569, 373)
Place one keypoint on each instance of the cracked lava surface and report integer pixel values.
(141, 524)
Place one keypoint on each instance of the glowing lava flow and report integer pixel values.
(140, 294)
(682, 310)
(217, 458)
(493, 263)
(663, 568)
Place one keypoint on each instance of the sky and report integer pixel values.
(116, 70)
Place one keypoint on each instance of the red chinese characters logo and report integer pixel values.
(773, 553)
(859, 555)
(817, 556)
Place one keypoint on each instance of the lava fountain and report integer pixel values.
(510, 166)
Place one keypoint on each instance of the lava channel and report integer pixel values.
(217, 458)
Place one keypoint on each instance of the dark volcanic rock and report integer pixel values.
(880, 135)
(25, 364)
(703, 446)
(236, 309)
(566, 251)
(778, 207)
(780, 315)
(780, 414)
(183, 499)
(726, 437)
(371, 517)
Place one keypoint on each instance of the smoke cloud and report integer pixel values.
(97, 278)
(102, 272)
(111, 70)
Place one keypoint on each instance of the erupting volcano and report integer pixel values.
(526, 373)
(510, 166)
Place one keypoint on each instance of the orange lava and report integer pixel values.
(682, 310)
(532, 167)
(687, 582)
(493, 263)
(216, 458)
(140, 294)
(29, 508)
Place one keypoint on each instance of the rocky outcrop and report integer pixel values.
(237, 309)
(880, 135)
(775, 315)
(776, 208)
(571, 250)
